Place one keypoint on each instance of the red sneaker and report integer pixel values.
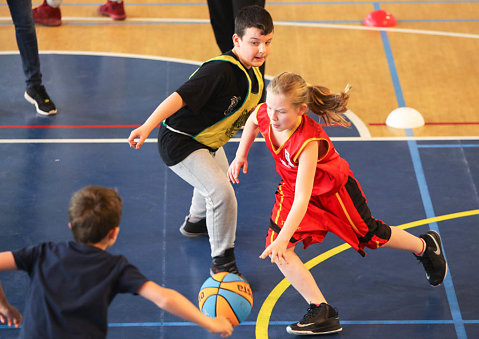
(113, 9)
(46, 15)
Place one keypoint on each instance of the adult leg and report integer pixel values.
(222, 21)
(238, 4)
(206, 173)
(36, 94)
(21, 11)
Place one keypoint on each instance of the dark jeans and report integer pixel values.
(21, 11)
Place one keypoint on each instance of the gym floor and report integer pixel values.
(106, 78)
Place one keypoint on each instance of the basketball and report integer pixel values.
(226, 294)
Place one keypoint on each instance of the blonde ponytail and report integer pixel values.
(319, 99)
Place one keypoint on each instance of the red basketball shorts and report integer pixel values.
(344, 213)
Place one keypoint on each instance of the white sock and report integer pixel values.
(54, 3)
(117, 1)
(191, 219)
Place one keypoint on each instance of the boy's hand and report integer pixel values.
(276, 251)
(10, 314)
(141, 133)
(221, 325)
(234, 169)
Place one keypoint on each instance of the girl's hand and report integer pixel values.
(234, 169)
(141, 133)
(276, 251)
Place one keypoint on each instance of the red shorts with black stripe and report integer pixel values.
(344, 213)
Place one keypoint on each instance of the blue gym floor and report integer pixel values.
(419, 183)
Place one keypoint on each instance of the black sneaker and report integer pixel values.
(433, 258)
(193, 229)
(322, 319)
(225, 263)
(37, 95)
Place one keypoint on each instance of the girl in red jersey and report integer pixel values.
(318, 194)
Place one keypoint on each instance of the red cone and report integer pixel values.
(379, 18)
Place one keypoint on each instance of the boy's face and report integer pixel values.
(253, 48)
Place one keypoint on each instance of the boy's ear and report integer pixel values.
(236, 39)
(113, 234)
(69, 225)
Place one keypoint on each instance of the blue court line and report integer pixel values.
(449, 146)
(423, 188)
(387, 322)
(286, 322)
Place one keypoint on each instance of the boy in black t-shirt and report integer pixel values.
(72, 284)
(199, 118)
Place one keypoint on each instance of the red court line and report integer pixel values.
(432, 123)
(67, 126)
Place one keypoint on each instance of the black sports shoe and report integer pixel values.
(37, 95)
(225, 263)
(433, 258)
(193, 229)
(322, 319)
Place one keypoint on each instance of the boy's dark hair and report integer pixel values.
(253, 16)
(94, 211)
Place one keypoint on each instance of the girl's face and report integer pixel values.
(252, 48)
(282, 114)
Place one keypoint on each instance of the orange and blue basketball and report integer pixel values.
(226, 294)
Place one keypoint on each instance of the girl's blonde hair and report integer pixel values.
(319, 99)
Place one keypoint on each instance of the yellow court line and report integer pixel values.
(262, 321)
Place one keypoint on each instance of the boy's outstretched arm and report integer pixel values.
(167, 108)
(250, 132)
(175, 303)
(8, 313)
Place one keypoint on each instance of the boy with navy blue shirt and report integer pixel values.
(72, 284)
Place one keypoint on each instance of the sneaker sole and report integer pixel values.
(49, 23)
(189, 234)
(114, 17)
(437, 238)
(291, 331)
(33, 102)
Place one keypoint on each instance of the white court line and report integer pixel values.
(382, 29)
(117, 55)
(277, 23)
(357, 122)
(234, 140)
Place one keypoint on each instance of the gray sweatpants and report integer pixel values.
(213, 195)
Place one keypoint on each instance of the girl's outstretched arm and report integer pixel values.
(167, 108)
(250, 132)
(302, 195)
